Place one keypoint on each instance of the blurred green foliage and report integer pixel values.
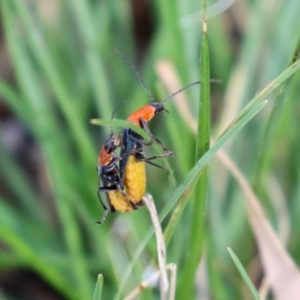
(66, 72)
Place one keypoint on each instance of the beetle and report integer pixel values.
(108, 171)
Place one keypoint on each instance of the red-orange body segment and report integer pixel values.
(104, 157)
(107, 153)
(147, 112)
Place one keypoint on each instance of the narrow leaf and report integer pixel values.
(244, 274)
(196, 238)
(98, 288)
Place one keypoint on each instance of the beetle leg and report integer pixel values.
(158, 166)
(106, 188)
(136, 205)
(106, 209)
(148, 160)
(112, 188)
(152, 137)
(103, 217)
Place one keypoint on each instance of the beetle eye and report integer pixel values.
(110, 145)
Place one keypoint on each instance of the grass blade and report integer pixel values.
(273, 121)
(196, 239)
(98, 288)
(244, 274)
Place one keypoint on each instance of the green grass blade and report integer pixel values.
(196, 239)
(273, 85)
(244, 274)
(267, 144)
(121, 124)
(98, 288)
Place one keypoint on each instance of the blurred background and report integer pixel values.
(58, 70)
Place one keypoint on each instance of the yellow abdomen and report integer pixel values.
(135, 185)
(135, 179)
(119, 202)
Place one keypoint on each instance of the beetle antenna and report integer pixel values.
(137, 73)
(112, 115)
(179, 91)
(186, 87)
